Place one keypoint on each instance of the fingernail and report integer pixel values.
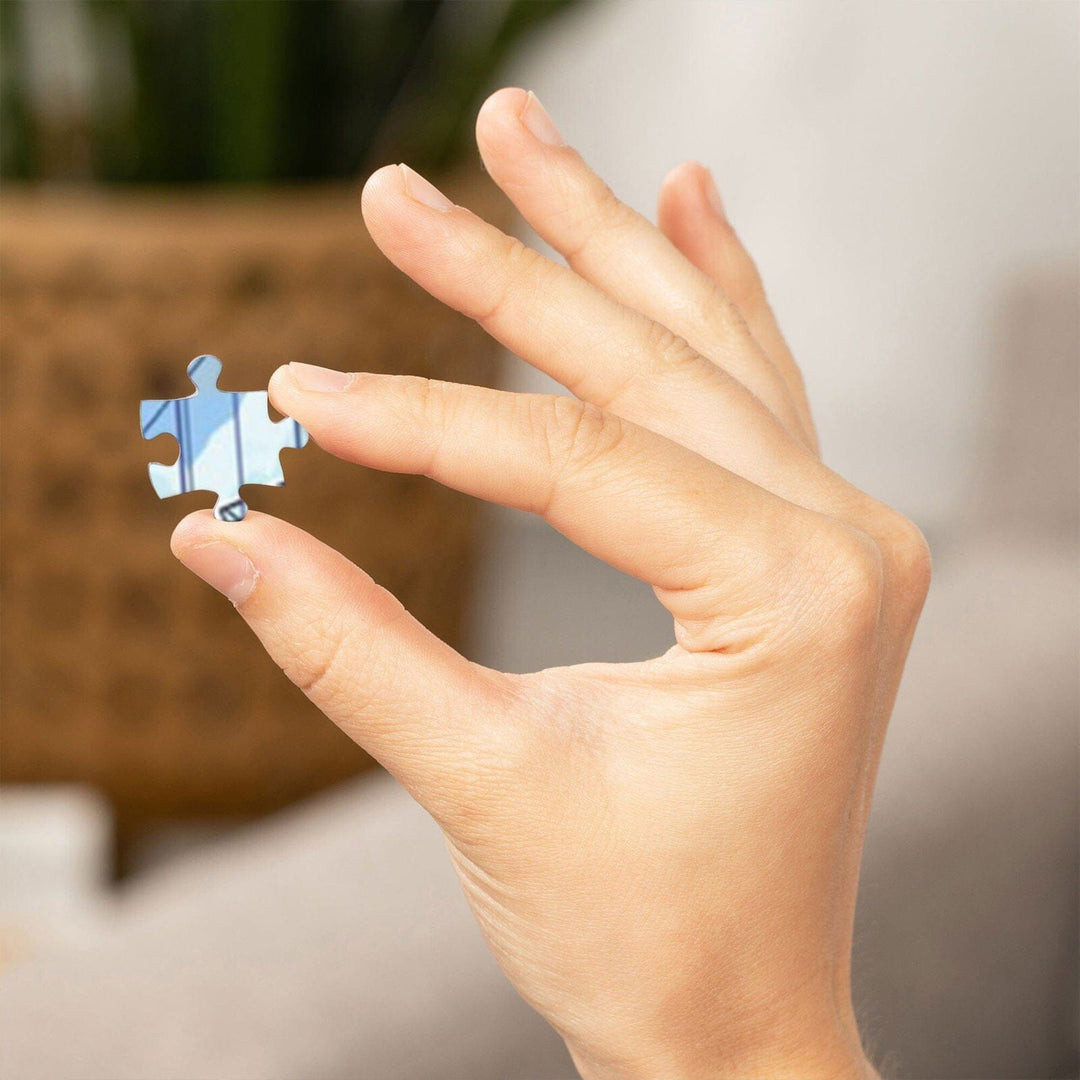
(535, 117)
(416, 187)
(713, 195)
(320, 379)
(224, 567)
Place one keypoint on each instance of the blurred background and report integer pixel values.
(201, 876)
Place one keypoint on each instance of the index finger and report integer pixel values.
(715, 545)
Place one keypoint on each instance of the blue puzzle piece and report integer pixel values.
(226, 440)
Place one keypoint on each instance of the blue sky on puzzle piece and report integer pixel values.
(226, 439)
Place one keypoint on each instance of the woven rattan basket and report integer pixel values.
(118, 667)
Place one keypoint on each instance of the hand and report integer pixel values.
(663, 856)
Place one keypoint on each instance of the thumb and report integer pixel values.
(436, 721)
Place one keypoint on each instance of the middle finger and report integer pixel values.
(605, 353)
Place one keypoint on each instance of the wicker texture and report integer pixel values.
(119, 668)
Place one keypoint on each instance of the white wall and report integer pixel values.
(894, 167)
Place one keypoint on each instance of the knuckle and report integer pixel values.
(908, 559)
(426, 407)
(411, 398)
(610, 213)
(519, 263)
(595, 212)
(520, 259)
(724, 315)
(848, 568)
(667, 351)
(337, 661)
(315, 664)
(575, 434)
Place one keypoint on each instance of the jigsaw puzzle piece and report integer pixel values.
(165, 479)
(157, 418)
(226, 440)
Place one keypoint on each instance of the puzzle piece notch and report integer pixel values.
(226, 438)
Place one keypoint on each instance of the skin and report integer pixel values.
(663, 856)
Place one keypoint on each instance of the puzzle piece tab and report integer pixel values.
(226, 440)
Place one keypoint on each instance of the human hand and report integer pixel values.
(663, 856)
